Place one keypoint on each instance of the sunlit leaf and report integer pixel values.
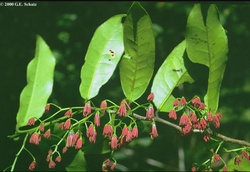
(103, 54)
(208, 45)
(171, 73)
(139, 44)
(34, 96)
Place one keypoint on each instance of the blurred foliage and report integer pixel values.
(67, 27)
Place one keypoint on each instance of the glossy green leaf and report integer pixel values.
(34, 96)
(139, 45)
(171, 73)
(103, 54)
(244, 165)
(208, 45)
(78, 163)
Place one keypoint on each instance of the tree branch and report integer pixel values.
(222, 137)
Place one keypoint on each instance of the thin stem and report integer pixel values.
(23, 146)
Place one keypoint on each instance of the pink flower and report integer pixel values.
(218, 115)
(42, 127)
(75, 138)
(193, 118)
(90, 131)
(237, 161)
(122, 141)
(196, 125)
(202, 106)
(47, 108)
(103, 105)
(216, 158)
(186, 129)
(52, 164)
(184, 120)
(31, 121)
(193, 169)
(35, 138)
(206, 136)
(209, 117)
(216, 122)
(183, 101)
(64, 150)
(112, 166)
(150, 113)
(79, 144)
(244, 155)
(60, 126)
(129, 137)
(47, 134)
(172, 114)
(70, 139)
(125, 131)
(176, 103)
(92, 138)
(58, 159)
(203, 124)
(197, 102)
(32, 165)
(224, 169)
(108, 131)
(135, 132)
(114, 142)
(86, 110)
(68, 113)
(97, 120)
(150, 97)
(48, 158)
(122, 109)
(107, 162)
(67, 124)
(153, 131)
(50, 151)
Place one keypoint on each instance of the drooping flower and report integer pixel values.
(184, 120)
(92, 138)
(197, 102)
(35, 138)
(122, 109)
(172, 114)
(70, 139)
(67, 124)
(202, 106)
(48, 158)
(114, 142)
(183, 101)
(135, 132)
(206, 136)
(47, 134)
(209, 117)
(129, 137)
(125, 131)
(86, 110)
(193, 118)
(176, 103)
(150, 97)
(122, 141)
(153, 131)
(31, 121)
(237, 161)
(58, 159)
(47, 108)
(42, 127)
(219, 116)
(90, 131)
(224, 169)
(203, 124)
(108, 131)
(52, 164)
(68, 113)
(244, 155)
(197, 125)
(64, 149)
(150, 112)
(107, 162)
(76, 136)
(112, 166)
(60, 126)
(216, 158)
(193, 169)
(79, 144)
(97, 120)
(32, 165)
(216, 122)
(103, 105)
(186, 129)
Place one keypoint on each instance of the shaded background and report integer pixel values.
(67, 27)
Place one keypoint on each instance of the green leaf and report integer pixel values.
(34, 96)
(78, 163)
(166, 78)
(139, 44)
(244, 165)
(103, 54)
(208, 45)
